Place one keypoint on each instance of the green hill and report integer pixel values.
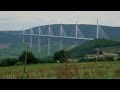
(91, 46)
(14, 50)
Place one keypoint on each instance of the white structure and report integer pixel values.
(97, 30)
(23, 35)
(61, 40)
(78, 36)
(39, 40)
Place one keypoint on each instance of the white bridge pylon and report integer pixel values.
(50, 33)
(78, 34)
(100, 32)
(62, 33)
(31, 34)
(23, 35)
(39, 40)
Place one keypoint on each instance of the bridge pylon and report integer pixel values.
(49, 34)
(97, 35)
(39, 40)
(23, 40)
(61, 40)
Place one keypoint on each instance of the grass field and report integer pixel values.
(83, 70)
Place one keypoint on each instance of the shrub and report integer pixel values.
(30, 57)
(19, 63)
(62, 56)
(109, 59)
(8, 62)
(45, 60)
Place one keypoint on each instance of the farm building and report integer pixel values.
(103, 55)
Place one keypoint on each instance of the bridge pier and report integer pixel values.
(97, 30)
(23, 36)
(49, 33)
(39, 44)
(76, 42)
(31, 38)
(61, 39)
(48, 46)
(61, 42)
(39, 40)
(30, 41)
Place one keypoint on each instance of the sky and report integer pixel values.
(17, 20)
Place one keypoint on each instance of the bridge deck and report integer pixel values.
(57, 36)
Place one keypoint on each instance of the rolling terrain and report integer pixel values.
(11, 44)
(90, 47)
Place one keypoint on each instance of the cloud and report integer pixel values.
(15, 20)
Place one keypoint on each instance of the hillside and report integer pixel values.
(114, 49)
(14, 50)
(91, 46)
(8, 40)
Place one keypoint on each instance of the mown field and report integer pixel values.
(82, 70)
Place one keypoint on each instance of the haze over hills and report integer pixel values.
(13, 41)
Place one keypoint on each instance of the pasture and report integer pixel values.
(81, 70)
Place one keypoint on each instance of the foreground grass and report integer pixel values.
(83, 70)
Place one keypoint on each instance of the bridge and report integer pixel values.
(62, 35)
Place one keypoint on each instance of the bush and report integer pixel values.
(19, 63)
(118, 59)
(30, 57)
(62, 56)
(8, 62)
(109, 59)
(45, 60)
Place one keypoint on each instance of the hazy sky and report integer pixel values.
(15, 20)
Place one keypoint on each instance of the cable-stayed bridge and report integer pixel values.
(62, 35)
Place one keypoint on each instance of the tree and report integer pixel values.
(62, 56)
(30, 57)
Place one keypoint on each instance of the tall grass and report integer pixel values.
(83, 70)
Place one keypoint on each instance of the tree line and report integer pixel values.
(60, 56)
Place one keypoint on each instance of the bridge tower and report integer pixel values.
(76, 43)
(100, 32)
(61, 40)
(97, 35)
(39, 40)
(23, 36)
(49, 40)
(31, 38)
